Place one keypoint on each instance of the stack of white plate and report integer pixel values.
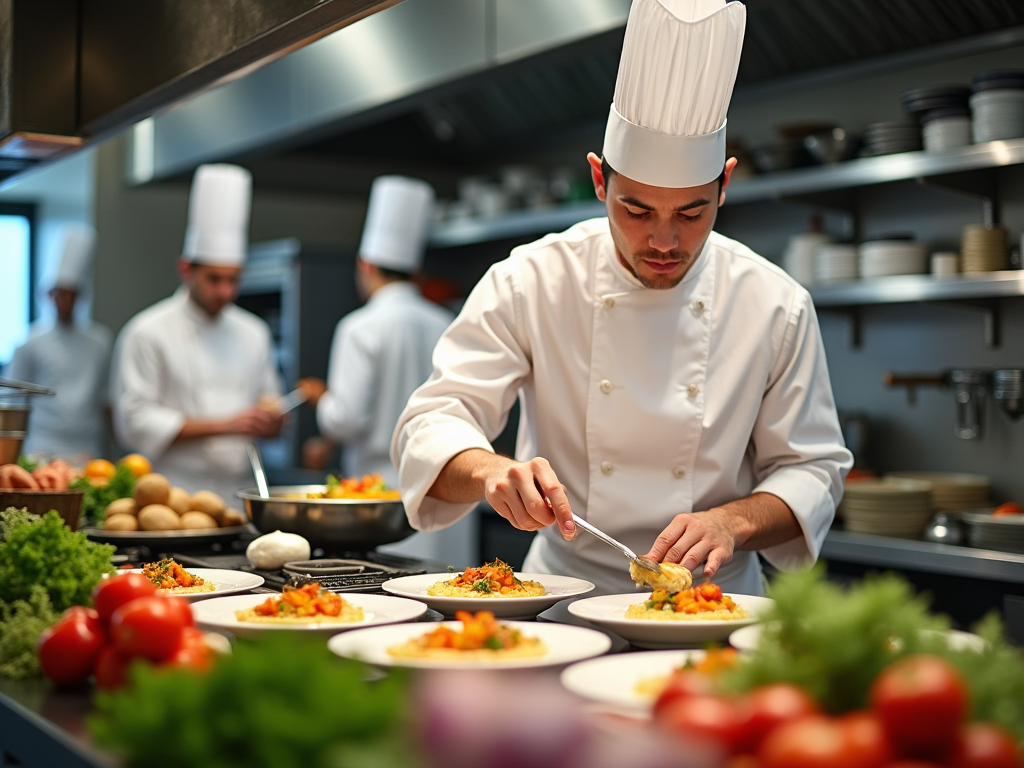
(799, 258)
(944, 129)
(1005, 533)
(983, 248)
(952, 491)
(997, 114)
(891, 507)
(881, 258)
(835, 262)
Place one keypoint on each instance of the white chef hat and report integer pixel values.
(679, 60)
(218, 216)
(75, 245)
(397, 221)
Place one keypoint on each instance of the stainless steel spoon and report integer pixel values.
(643, 562)
(257, 470)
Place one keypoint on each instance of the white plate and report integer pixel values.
(614, 679)
(219, 613)
(226, 582)
(565, 645)
(558, 588)
(747, 638)
(609, 612)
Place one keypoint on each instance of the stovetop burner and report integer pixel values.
(364, 573)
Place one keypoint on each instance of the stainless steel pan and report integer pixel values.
(332, 524)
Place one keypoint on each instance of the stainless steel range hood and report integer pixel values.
(74, 70)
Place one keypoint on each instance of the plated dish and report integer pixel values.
(703, 603)
(223, 583)
(563, 644)
(223, 614)
(610, 612)
(309, 604)
(494, 580)
(623, 680)
(503, 606)
(170, 578)
(480, 638)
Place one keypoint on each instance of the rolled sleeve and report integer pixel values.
(798, 446)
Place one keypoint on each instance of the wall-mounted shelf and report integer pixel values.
(956, 168)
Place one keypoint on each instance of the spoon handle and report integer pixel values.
(603, 536)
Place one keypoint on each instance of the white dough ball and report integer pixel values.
(275, 549)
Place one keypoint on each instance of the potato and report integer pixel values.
(158, 517)
(233, 517)
(121, 522)
(121, 507)
(197, 520)
(208, 502)
(179, 501)
(152, 489)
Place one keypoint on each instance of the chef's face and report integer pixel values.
(64, 302)
(658, 231)
(212, 288)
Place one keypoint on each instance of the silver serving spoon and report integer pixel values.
(642, 562)
(257, 470)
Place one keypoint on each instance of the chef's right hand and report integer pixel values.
(312, 388)
(530, 496)
(256, 422)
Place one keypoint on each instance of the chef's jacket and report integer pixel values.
(647, 403)
(75, 362)
(380, 354)
(174, 362)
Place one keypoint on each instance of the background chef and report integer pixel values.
(189, 372)
(72, 357)
(673, 383)
(382, 351)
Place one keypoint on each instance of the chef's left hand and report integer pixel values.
(695, 538)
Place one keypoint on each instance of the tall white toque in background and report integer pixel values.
(397, 220)
(218, 216)
(679, 61)
(75, 248)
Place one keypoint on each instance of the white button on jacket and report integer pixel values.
(765, 420)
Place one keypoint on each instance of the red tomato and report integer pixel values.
(867, 738)
(765, 708)
(711, 718)
(910, 763)
(112, 668)
(686, 682)
(110, 594)
(197, 657)
(815, 741)
(922, 700)
(150, 627)
(982, 745)
(68, 649)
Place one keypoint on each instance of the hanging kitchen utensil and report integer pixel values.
(969, 387)
(1008, 391)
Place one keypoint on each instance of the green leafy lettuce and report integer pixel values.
(98, 497)
(11, 518)
(21, 624)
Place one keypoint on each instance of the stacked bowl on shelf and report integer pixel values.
(890, 138)
(944, 114)
(951, 491)
(883, 258)
(983, 249)
(997, 105)
(889, 507)
(985, 531)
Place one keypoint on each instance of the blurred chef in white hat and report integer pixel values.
(673, 383)
(382, 351)
(190, 371)
(69, 355)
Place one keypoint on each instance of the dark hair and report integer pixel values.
(607, 171)
(393, 274)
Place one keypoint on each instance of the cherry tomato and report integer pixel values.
(711, 718)
(765, 708)
(1009, 508)
(110, 594)
(867, 738)
(197, 657)
(150, 627)
(684, 683)
(112, 668)
(921, 700)
(982, 745)
(68, 649)
(815, 741)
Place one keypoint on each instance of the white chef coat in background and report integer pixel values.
(75, 362)
(381, 352)
(648, 403)
(173, 362)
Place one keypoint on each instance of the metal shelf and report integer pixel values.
(913, 288)
(952, 168)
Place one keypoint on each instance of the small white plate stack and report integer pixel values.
(997, 105)
(881, 258)
(983, 249)
(834, 262)
(1005, 533)
(891, 507)
(952, 491)
(799, 258)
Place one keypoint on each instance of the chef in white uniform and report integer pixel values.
(190, 371)
(382, 351)
(673, 383)
(72, 357)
